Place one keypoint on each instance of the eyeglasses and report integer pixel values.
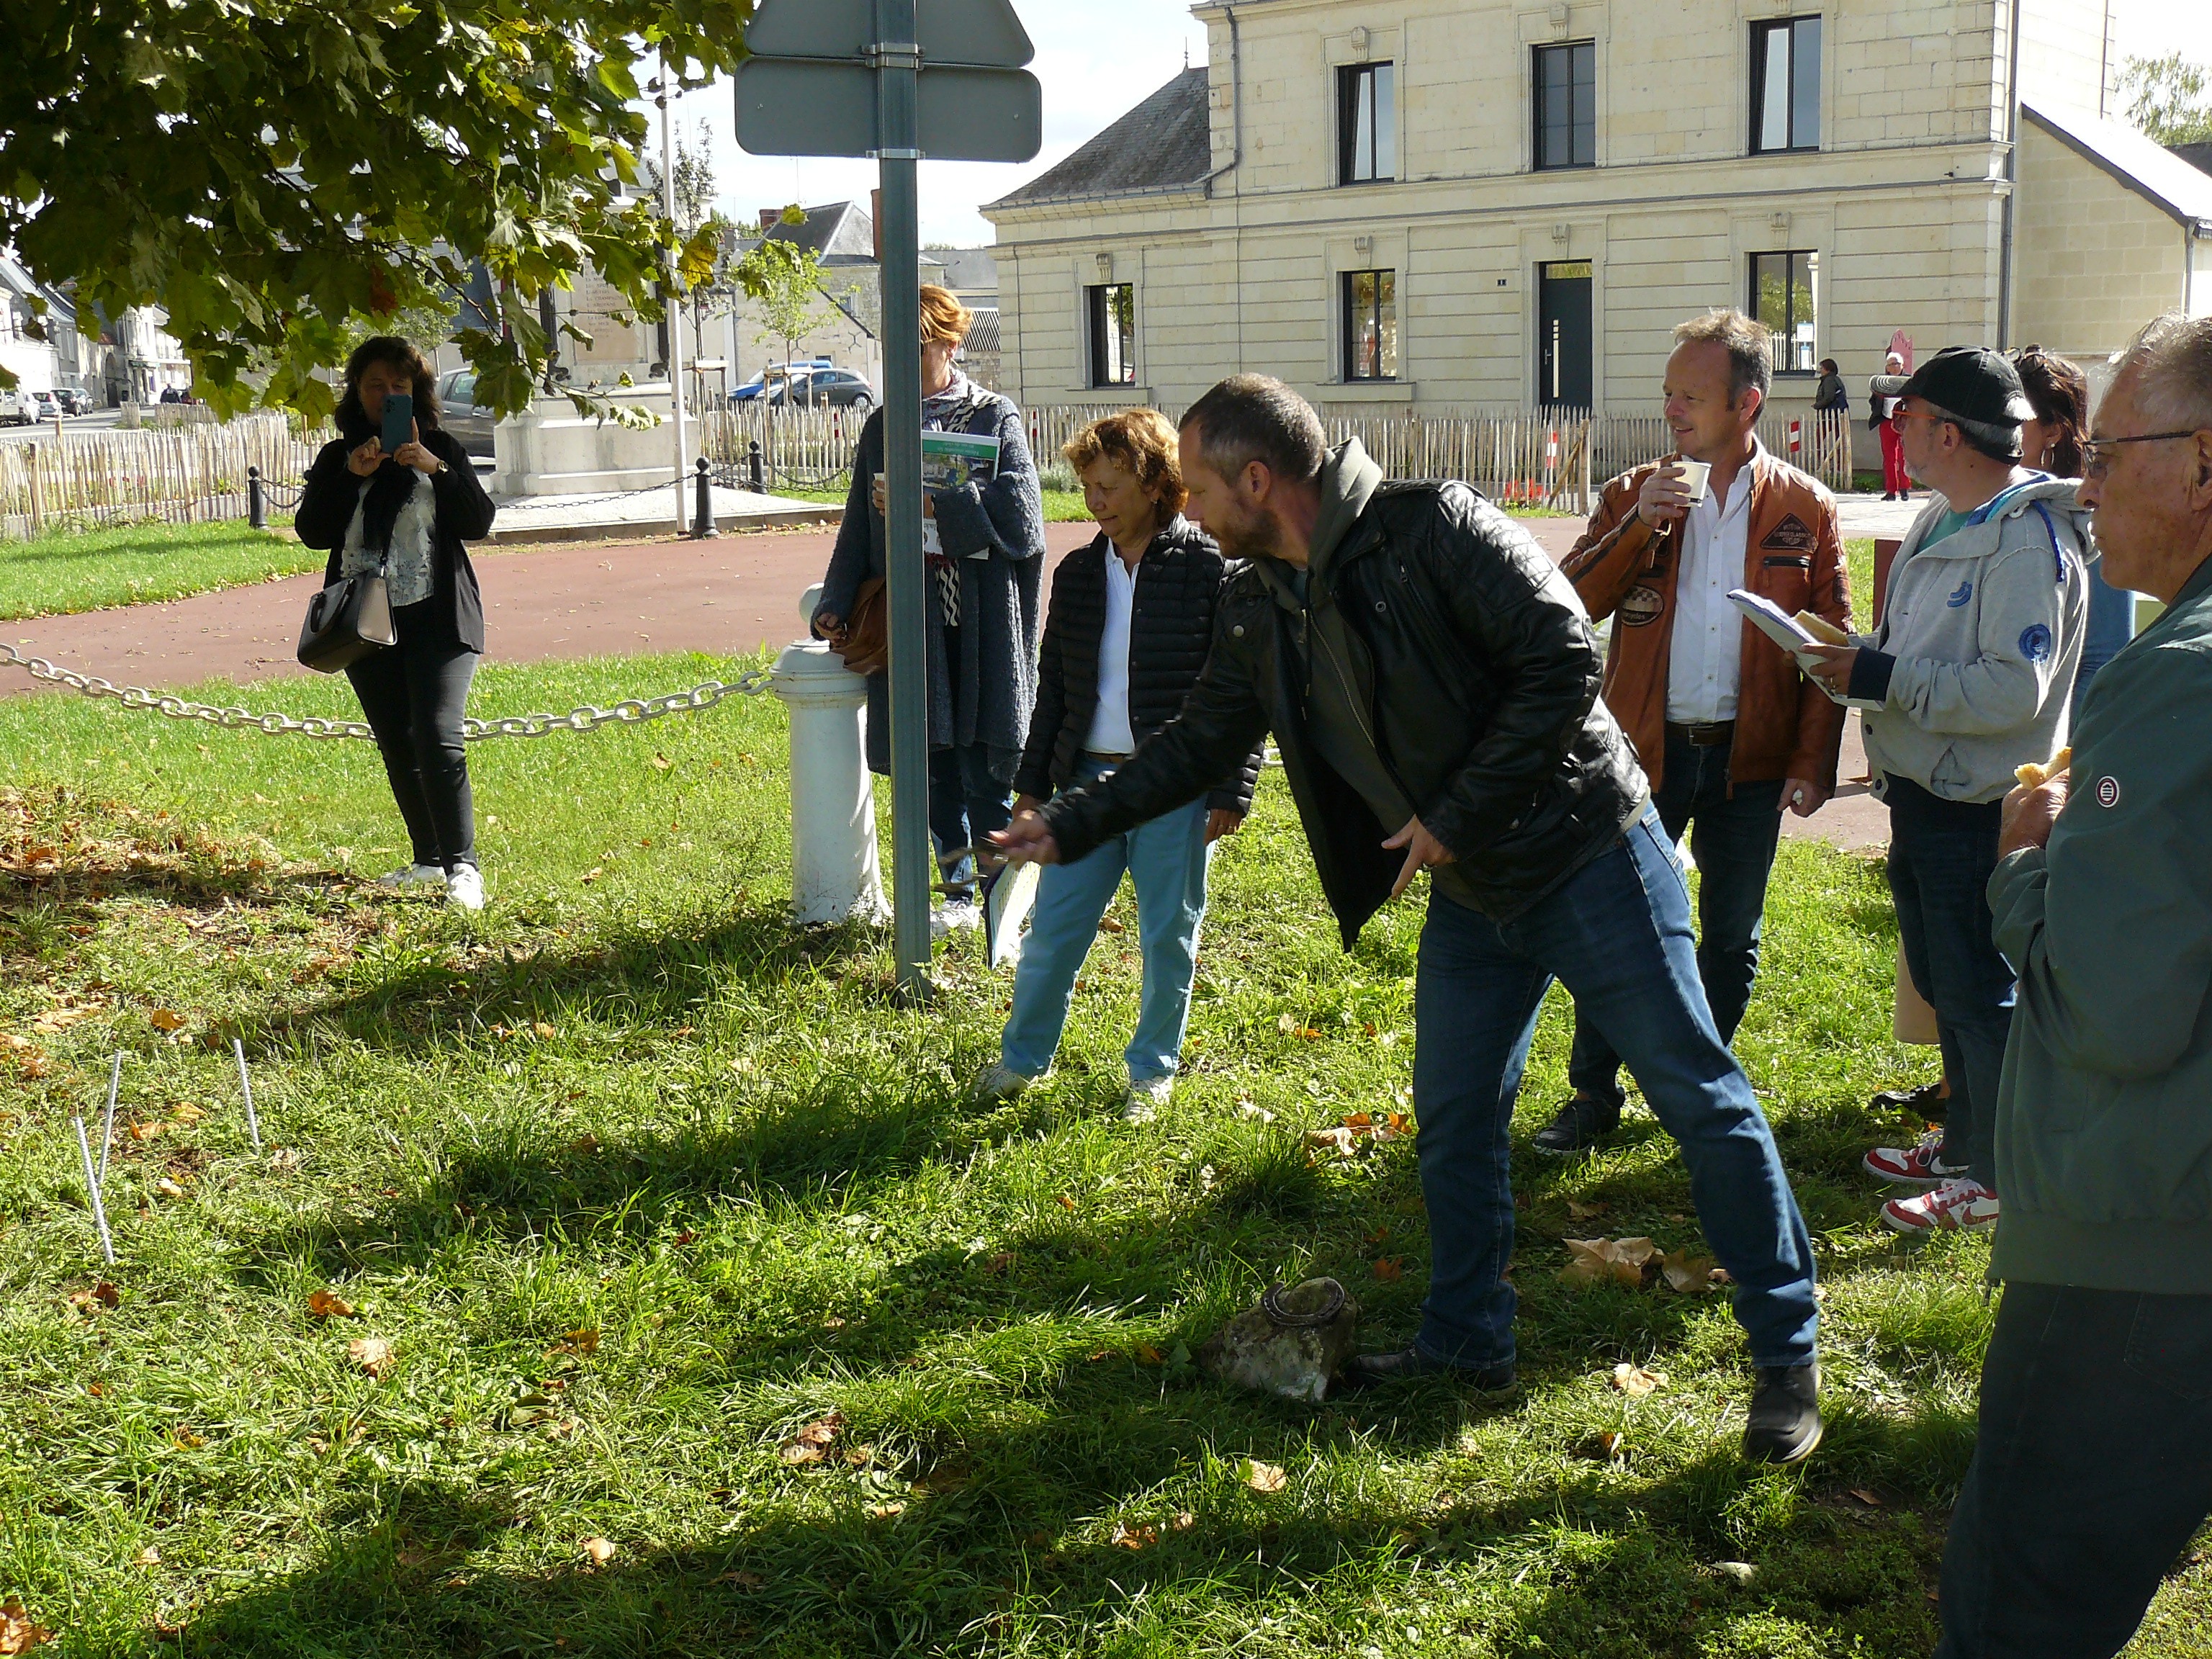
(2096, 462)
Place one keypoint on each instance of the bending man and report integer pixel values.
(1432, 683)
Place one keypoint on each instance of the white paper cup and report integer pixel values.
(1694, 474)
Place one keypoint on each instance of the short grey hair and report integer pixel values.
(1999, 441)
(1751, 356)
(2171, 361)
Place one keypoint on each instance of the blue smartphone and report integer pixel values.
(398, 420)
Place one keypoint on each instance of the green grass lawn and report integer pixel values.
(136, 563)
(637, 1181)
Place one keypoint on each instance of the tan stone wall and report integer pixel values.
(2096, 260)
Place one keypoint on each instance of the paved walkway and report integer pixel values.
(539, 518)
(734, 594)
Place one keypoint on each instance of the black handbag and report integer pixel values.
(346, 621)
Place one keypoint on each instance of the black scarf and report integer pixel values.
(389, 486)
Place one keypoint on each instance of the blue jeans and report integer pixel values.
(1942, 855)
(1733, 840)
(1617, 934)
(1166, 860)
(2092, 1467)
(2112, 624)
(966, 803)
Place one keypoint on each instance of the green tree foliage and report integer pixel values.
(785, 281)
(2170, 98)
(278, 174)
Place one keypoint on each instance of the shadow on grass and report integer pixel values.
(1595, 1561)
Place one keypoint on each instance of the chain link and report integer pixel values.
(630, 711)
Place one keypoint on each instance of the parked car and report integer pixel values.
(825, 388)
(772, 377)
(15, 408)
(44, 406)
(468, 422)
(76, 400)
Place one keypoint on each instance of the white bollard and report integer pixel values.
(834, 876)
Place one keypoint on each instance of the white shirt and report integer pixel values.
(1705, 662)
(1109, 732)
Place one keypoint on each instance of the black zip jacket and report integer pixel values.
(454, 611)
(1171, 626)
(1481, 678)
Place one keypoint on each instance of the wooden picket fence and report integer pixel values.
(192, 472)
(1551, 458)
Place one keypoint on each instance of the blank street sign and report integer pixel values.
(813, 106)
(983, 34)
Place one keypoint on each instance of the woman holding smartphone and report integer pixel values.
(407, 507)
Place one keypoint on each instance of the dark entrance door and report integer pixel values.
(1563, 334)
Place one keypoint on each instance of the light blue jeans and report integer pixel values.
(1166, 860)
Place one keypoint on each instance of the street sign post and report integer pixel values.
(898, 80)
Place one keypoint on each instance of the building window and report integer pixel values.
(1366, 123)
(1113, 334)
(1567, 105)
(1785, 86)
(1371, 324)
(1781, 299)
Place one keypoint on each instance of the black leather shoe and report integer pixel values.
(1582, 1123)
(1784, 1423)
(1365, 1371)
(1928, 1101)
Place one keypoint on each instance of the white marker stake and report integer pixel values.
(92, 1186)
(107, 1119)
(245, 1087)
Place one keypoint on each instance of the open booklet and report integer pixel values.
(1792, 635)
(951, 460)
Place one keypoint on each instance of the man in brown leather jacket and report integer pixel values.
(1729, 731)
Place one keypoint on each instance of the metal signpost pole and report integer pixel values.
(674, 304)
(898, 62)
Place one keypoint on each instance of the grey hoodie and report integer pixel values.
(1973, 664)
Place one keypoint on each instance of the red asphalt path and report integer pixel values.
(729, 596)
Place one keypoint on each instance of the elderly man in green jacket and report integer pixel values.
(2094, 1465)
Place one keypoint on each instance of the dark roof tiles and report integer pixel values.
(1164, 143)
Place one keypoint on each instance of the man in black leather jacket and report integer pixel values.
(1425, 670)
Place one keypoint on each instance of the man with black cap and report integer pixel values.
(1970, 677)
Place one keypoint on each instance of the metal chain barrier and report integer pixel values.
(630, 711)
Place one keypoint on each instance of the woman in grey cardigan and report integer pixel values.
(983, 541)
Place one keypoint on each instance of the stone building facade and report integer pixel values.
(1476, 203)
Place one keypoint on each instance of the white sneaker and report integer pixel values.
(954, 913)
(1142, 1104)
(465, 888)
(1964, 1205)
(414, 875)
(996, 1084)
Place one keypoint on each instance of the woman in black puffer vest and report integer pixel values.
(1126, 633)
(409, 513)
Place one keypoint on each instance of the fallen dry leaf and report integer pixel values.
(1134, 1538)
(1246, 1109)
(601, 1550)
(1595, 1261)
(188, 1115)
(1291, 1025)
(1183, 1522)
(744, 1578)
(146, 1131)
(1111, 924)
(329, 1304)
(661, 762)
(1579, 1210)
(1064, 1202)
(1390, 1269)
(1149, 1355)
(18, 1632)
(591, 875)
(372, 1353)
(168, 1188)
(1692, 1275)
(1867, 1497)
(166, 1019)
(1635, 1382)
(543, 1029)
(585, 1341)
(811, 1444)
(1603, 1447)
(102, 1295)
(1341, 1141)
(184, 1437)
(150, 1557)
(885, 1511)
(1265, 1477)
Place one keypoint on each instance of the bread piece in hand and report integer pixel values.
(1821, 628)
(2032, 777)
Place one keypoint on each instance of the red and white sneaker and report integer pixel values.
(1963, 1206)
(1923, 1162)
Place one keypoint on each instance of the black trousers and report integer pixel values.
(2092, 1472)
(413, 694)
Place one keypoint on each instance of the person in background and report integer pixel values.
(1829, 397)
(409, 513)
(1896, 482)
(2053, 441)
(1730, 734)
(1970, 676)
(984, 545)
(2092, 1461)
(1423, 665)
(1131, 617)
